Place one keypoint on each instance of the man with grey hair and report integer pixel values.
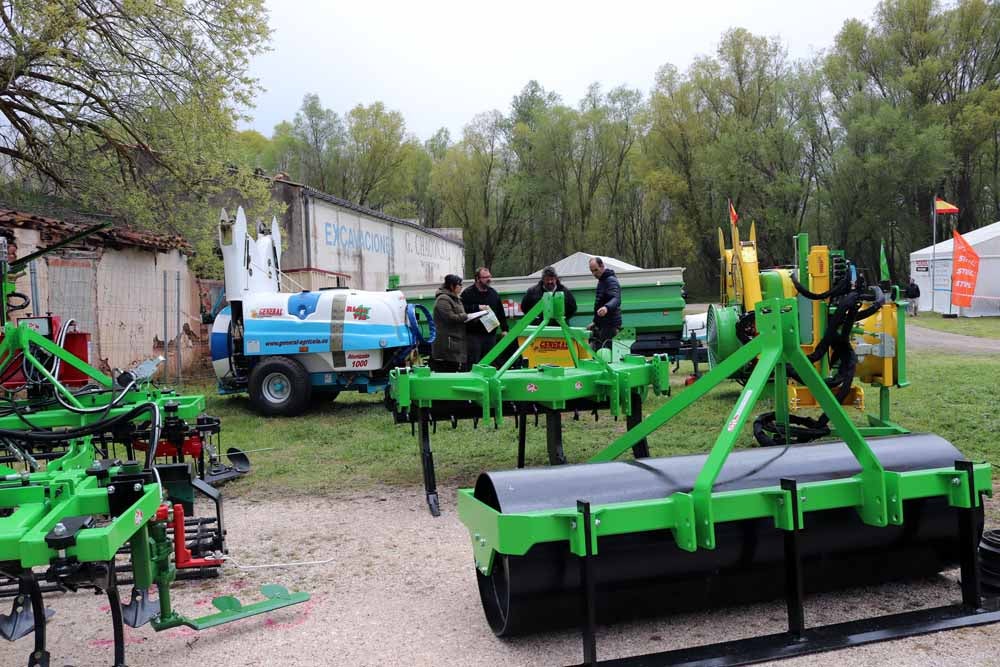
(549, 283)
(607, 305)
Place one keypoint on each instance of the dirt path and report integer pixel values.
(401, 590)
(920, 338)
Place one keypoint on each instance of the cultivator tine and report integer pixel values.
(21, 620)
(40, 615)
(117, 625)
(427, 461)
(140, 610)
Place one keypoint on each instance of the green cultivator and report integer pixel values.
(422, 397)
(69, 507)
(576, 545)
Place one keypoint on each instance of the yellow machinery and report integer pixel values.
(846, 327)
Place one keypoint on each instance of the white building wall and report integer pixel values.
(131, 297)
(371, 249)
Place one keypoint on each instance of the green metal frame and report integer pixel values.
(875, 493)
(40, 500)
(549, 386)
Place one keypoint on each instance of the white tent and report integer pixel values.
(578, 263)
(936, 261)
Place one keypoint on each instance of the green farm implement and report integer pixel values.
(422, 397)
(581, 544)
(72, 512)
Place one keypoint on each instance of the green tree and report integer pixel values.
(474, 183)
(319, 138)
(374, 152)
(90, 72)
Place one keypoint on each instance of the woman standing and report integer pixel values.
(448, 352)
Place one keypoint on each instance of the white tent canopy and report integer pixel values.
(934, 262)
(578, 263)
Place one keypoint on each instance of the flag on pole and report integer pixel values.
(733, 217)
(883, 264)
(941, 207)
(964, 272)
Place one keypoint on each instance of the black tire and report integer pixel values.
(279, 386)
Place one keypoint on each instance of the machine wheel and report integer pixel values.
(279, 386)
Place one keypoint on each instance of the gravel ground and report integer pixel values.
(919, 338)
(400, 590)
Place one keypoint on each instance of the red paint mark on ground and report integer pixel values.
(108, 642)
(304, 611)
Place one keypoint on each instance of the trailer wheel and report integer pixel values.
(279, 386)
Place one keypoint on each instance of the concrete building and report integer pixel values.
(331, 242)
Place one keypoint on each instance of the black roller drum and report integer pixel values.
(645, 574)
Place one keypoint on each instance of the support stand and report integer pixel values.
(589, 589)
(794, 588)
(968, 535)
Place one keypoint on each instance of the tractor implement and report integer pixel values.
(72, 511)
(608, 540)
(421, 397)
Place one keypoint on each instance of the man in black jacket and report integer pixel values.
(607, 305)
(480, 296)
(548, 283)
(913, 295)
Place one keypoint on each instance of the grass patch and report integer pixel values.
(352, 443)
(981, 327)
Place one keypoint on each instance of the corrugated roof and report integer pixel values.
(53, 229)
(312, 192)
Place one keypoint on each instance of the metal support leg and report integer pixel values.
(968, 536)
(794, 589)
(39, 656)
(589, 590)
(640, 450)
(427, 461)
(553, 437)
(522, 437)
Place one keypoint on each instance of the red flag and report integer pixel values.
(964, 271)
(733, 218)
(944, 208)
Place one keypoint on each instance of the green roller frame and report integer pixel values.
(421, 396)
(875, 493)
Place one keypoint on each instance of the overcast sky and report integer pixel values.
(442, 62)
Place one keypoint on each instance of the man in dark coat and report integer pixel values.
(549, 283)
(480, 296)
(913, 295)
(607, 305)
